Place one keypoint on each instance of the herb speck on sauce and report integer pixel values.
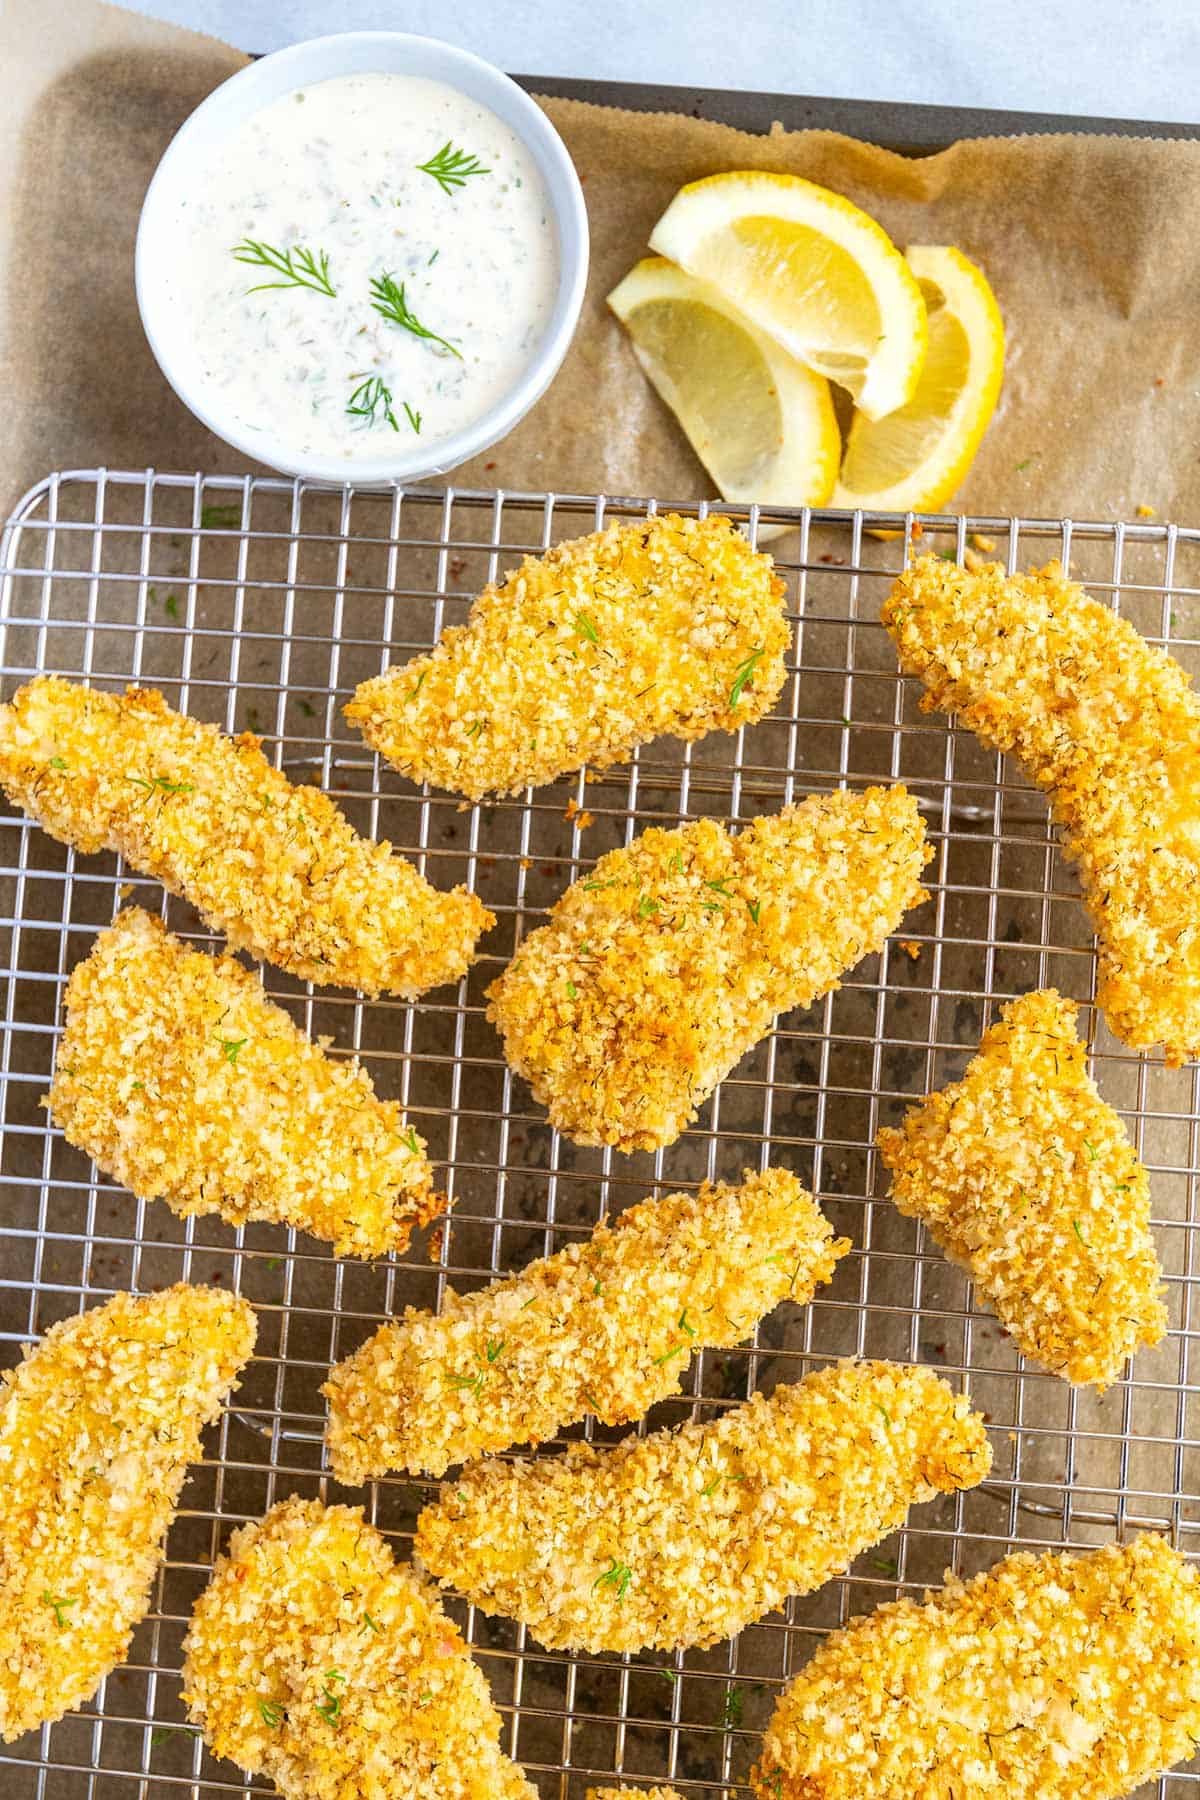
(394, 268)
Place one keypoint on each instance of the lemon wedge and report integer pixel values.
(809, 269)
(915, 458)
(762, 424)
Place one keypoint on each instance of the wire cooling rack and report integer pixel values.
(260, 604)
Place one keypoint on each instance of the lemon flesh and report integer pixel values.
(811, 271)
(915, 458)
(761, 423)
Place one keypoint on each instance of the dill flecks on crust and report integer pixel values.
(1054, 1677)
(315, 1659)
(97, 1428)
(1109, 727)
(182, 1080)
(277, 868)
(607, 1326)
(660, 625)
(1026, 1177)
(662, 967)
(685, 1537)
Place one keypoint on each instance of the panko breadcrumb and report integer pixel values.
(684, 1537)
(97, 1427)
(1026, 1178)
(313, 1659)
(659, 625)
(660, 969)
(607, 1326)
(182, 1080)
(1051, 1677)
(1110, 727)
(276, 868)
(632, 1793)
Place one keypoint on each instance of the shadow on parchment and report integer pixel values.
(86, 160)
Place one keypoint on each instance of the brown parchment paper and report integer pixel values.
(1089, 242)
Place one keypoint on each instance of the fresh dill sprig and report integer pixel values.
(270, 1714)
(298, 267)
(468, 1384)
(368, 1620)
(158, 784)
(414, 418)
(617, 1576)
(56, 1605)
(452, 168)
(390, 301)
(411, 1141)
(586, 629)
(733, 1709)
(231, 1046)
(742, 674)
(368, 398)
(329, 1707)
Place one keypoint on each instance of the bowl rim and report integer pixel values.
(530, 124)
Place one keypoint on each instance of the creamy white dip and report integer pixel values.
(326, 185)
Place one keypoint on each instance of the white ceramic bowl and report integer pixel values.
(354, 53)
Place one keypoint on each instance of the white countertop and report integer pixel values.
(1103, 57)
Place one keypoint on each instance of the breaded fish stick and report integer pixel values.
(97, 1428)
(1046, 1678)
(1110, 728)
(275, 867)
(660, 969)
(313, 1659)
(660, 625)
(684, 1537)
(1027, 1179)
(607, 1326)
(182, 1080)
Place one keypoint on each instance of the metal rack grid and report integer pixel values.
(261, 603)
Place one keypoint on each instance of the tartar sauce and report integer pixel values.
(367, 258)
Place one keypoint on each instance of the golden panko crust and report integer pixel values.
(276, 868)
(97, 1427)
(1049, 1677)
(1110, 728)
(313, 1659)
(607, 1326)
(1027, 1179)
(660, 969)
(660, 625)
(183, 1081)
(684, 1537)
